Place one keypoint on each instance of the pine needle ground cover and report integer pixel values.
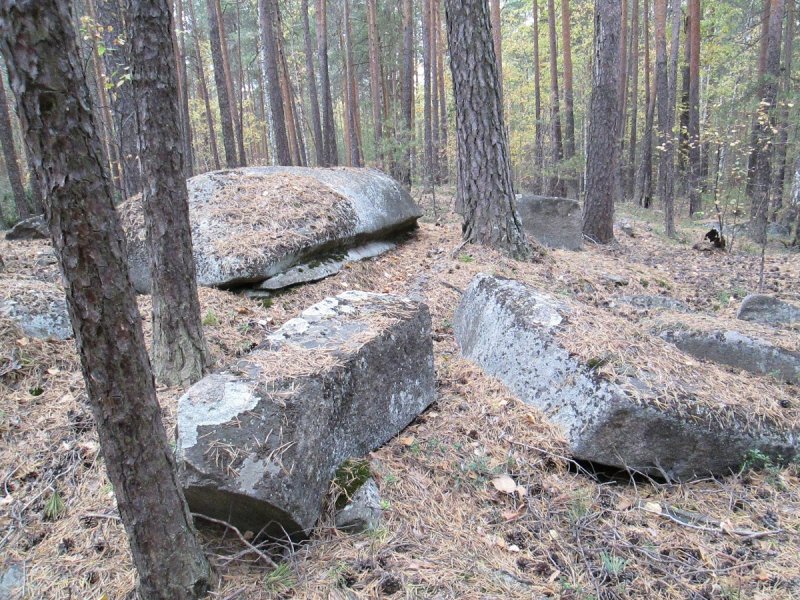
(480, 497)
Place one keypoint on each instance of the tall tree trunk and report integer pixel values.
(179, 349)
(287, 95)
(441, 159)
(375, 82)
(622, 97)
(764, 126)
(407, 92)
(427, 92)
(633, 68)
(484, 169)
(538, 158)
(569, 112)
(223, 98)
(232, 96)
(238, 96)
(10, 155)
(602, 138)
(695, 156)
(328, 127)
(111, 16)
(435, 92)
(201, 77)
(38, 42)
(556, 184)
(350, 77)
(644, 177)
(497, 40)
(762, 66)
(267, 17)
(778, 181)
(316, 122)
(683, 108)
(186, 122)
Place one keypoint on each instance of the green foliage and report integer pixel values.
(350, 476)
(54, 507)
(280, 579)
(210, 319)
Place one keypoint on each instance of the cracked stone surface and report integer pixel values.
(259, 443)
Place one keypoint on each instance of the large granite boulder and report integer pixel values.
(38, 307)
(767, 309)
(553, 222)
(258, 444)
(32, 228)
(253, 223)
(739, 351)
(512, 332)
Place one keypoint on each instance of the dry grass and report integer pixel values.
(448, 532)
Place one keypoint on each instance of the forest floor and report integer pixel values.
(448, 532)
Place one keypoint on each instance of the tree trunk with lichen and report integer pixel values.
(55, 109)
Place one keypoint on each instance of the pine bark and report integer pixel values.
(556, 184)
(695, 157)
(316, 122)
(356, 157)
(223, 99)
(407, 92)
(186, 122)
(538, 158)
(569, 111)
(10, 156)
(427, 114)
(55, 110)
(764, 127)
(267, 17)
(375, 82)
(201, 78)
(778, 181)
(497, 40)
(485, 189)
(435, 93)
(179, 349)
(331, 153)
(633, 65)
(602, 139)
(442, 159)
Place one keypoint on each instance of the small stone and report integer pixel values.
(768, 309)
(627, 228)
(12, 579)
(363, 512)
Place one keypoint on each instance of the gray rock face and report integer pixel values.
(32, 228)
(739, 351)
(253, 223)
(39, 308)
(363, 511)
(769, 310)
(12, 580)
(259, 444)
(553, 222)
(510, 330)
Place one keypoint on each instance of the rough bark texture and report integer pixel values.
(633, 67)
(764, 127)
(179, 350)
(484, 171)
(556, 185)
(10, 156)
(110, 15)
(186, 122)
(538, 158)
(602, 142)
(356, 156)
(56, 114)
(497, 40)
(662, 95)
(407, 91)
(201, 78)
(328, 131)
(267, 17)
(225, 115)
(695, 162)
(316, 121)
(375, 82)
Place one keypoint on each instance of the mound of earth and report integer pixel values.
(251, 224)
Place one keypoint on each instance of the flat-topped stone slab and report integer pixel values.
(258, 444)
(253, 223)
(553, 222)
(512, 331)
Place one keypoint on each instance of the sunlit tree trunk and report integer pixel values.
(328, 126)
(556, 184)
(201, 77)
(223, 98)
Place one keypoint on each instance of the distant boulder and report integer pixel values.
(32, 228)
(553, 222)
(769, 310)
(259, 443)
(254, 223)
